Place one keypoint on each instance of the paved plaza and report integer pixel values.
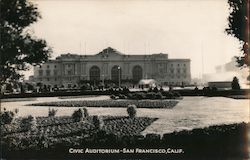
(189, 113)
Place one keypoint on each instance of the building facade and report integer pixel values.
(112, 66)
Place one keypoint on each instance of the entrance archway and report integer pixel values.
(137, 73)
(94, 73)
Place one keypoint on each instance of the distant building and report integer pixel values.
(108, 65)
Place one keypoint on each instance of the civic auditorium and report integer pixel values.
(111, 66)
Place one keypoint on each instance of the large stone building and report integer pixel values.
(108, 65)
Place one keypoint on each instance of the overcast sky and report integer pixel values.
(181, 28)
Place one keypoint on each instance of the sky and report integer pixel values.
(192, 29)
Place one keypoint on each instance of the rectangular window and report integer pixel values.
(184, 70)
(171, 70)
(178, 70)
(40, 72)
(47, 72)
(55, 72)
(69, 72)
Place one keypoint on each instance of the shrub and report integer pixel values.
(52, 112)
(131, 109)
(168, 95)
(80, 114)
(122, 96)
(16, 110)
(138, 95)
(28, 123)
(151, 95)
(6, 117)
(176, 94)
(98, 122)
(158, 95)
(235, 84)
(113, 96)
(130, 95)
(77, 115)
(85, 112)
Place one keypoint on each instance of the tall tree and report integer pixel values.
(19, 49)
(238, 26)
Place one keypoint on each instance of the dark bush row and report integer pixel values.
(215, 142)
(148, 95)
(112, 103)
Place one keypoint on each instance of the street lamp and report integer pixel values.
(119, 76)
(103, 80)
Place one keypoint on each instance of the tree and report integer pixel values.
(19, 49)
(235, 84)
(238, 26)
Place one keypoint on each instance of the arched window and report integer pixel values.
(94, 73)
(116, 71)
(137, 73)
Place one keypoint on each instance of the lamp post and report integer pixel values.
(103, 80)
(119, 76)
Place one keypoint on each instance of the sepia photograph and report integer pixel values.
(124, 79)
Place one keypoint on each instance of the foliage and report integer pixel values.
(98, 122)
(113, 96)
(131, 109)
(28, 123)
(19, 48)
(238, 24)
(16, 110)
(200, 139)
(158, 95)
(122, 96)
(80, 114)
(77, 115)
(151, 95)
(235, 84)
(85, 112)
(6, 117)
(52, 112)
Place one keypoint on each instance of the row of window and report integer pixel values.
(174, 83)
(47, 72)
(178, 70)
(178, 65)
(48, 79)
(48, 66)
(69, 65)
(178, 76)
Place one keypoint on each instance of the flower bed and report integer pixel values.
(52, 127)
(127, 126)
(112, 103)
